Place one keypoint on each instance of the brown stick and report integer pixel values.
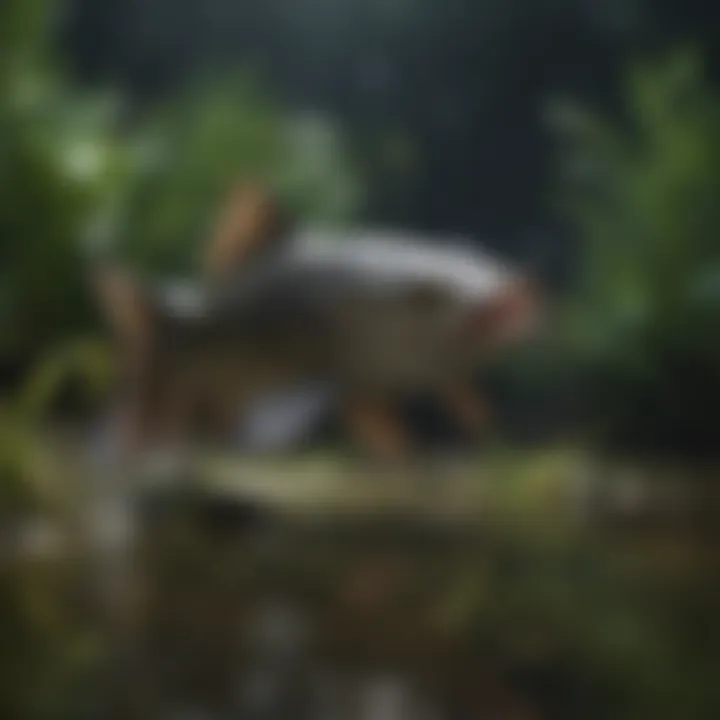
(247, 221)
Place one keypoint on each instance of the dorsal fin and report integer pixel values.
(125, 303)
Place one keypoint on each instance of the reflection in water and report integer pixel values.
(377, 618)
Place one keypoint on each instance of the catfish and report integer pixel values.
(366, 314)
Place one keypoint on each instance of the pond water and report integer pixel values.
(236, 613)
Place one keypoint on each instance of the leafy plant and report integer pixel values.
(60, 162)
(29, 479)
(641, 193)
(198, 144)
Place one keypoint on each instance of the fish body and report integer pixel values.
(367, 313)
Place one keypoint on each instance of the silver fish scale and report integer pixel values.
(317, 269)
(394, 257)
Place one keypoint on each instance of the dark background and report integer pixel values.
(465, 81)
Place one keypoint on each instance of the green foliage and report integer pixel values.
(197, 145)
(59, 167)
(642, 195)
(43, 652)
(73, 184)
(59, 161)
(23, 26)
(28, 479)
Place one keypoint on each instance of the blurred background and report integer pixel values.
(578, 138)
